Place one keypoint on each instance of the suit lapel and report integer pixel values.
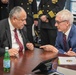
(70, 36)
(8, 34)
(61, 42)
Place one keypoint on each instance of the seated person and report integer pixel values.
(13, 33)
(65, 26)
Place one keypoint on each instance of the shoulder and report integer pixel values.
(3, 23)
(59, 33)
(24, 29)
(73, 28)
(73, 31)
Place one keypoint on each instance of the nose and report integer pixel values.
(24, 22)
(55, 24)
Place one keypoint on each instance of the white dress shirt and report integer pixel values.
(14, 43)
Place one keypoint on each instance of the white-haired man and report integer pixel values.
(65, 26)
(13, 32)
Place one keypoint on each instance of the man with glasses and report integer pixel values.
(47, 12)
(65, 26)
(13, 32)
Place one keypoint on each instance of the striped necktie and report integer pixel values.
(18, 41)
(65, 42)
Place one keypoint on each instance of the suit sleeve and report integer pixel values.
(3, 40)
(59, 5)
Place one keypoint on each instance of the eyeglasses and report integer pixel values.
(60, 21)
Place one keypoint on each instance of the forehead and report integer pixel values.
(58, 18)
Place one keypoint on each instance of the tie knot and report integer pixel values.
(15, 30)
(64, 35)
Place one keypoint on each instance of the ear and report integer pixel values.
(14, 18)
(68, 23)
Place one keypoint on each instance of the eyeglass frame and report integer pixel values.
(60, 21)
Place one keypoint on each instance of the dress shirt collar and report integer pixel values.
(67, 33)
(10, 24)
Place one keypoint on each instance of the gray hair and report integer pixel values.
(66, 15)
(15, 12)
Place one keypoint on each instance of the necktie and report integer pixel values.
(65, 42)
(18, 41)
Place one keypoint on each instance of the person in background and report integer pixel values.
(30, 6)
(3, 9)
(15, 22)
(46, 13)
(65, 26)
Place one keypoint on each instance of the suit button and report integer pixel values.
(28, 13)
(27, 8)
(27, 3)
(47, 10)
(21, 3)
(1, 7)
(48, 5)
(43, 5)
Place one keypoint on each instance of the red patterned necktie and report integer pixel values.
(18, 41)
(65, 42)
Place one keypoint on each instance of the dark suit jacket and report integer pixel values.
(5, 35)
(3, 9)
(71, 41)
(30, 6)
(48, 8)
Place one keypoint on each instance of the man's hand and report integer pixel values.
(70, 52)
(13, 52)
(35, 22)
(4, 1)
(49, 48)
(30, 46)
(44, 18)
